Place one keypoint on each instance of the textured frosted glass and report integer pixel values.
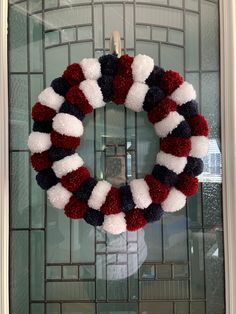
(70, 272)
(70, 291)
(183, 308)
(36, 86)
(101, 277)
(192, 41)
(84, 32)
(148, 48)
(36, 44)
(159, 34)
(98, 26)
(125, 308)
(116, 22)
(176, 3)
(193, 78)
(176, 37)
(80, 51)
(52, 38)
(163, 271)
(129, 26)
(87, 272)
(212, 204)
(172, 58)
(51, 4)
(143, 31)
(194, 206)
(116, 289)
(153, 241)
(191, 5)
(37, 308)
(68, 34)
(78, 308)
(157, 307)
(53, 272)
(199, 307)
(35, 5)
(53, 308)
(37, 203)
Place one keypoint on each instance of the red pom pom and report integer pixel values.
(187, 184)
(41, 161)
(198, 125)
(161, 110)
(72, 180)
(42, 113)
(124, 66)
(121, 86)
(112, 203)
(157, 190)
(64, 141)
(170, 81)
(135, 219)
(74, 74)
(75, 209)
(176, 146)
(76, 97)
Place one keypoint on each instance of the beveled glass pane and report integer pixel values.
(176, 37)
(37, 308)
(152, 241)
(183, 308)
(199, 307)
(191, 5)
(172, 57)
(192, 41)
(143, 31)
(37, 203)
(116, 22)
(70, 272)
(101, 277)
(118, 308)
(80, 51)
(54, 272)
(53, 308)
(78, 308)
(212, 204)
(87, 272)
(36, 86)
(52, 38)
(159, 34)
(163, 271)
(147, 272)
(176, 3)
(35, 5)
(36, 44)
(84, 32)
(51, 4)
(68, 34)
(156, 307)
(148, 48)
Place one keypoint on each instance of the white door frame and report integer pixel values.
(228, 124)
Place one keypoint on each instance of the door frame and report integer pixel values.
(228, 136)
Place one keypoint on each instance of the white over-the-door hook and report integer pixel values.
(115, 43)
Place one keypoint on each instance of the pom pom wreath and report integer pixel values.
(140, 193)
(187, 185)
(124, 66)
(189, 109)
(162, 110)
(39, 142)
(99, 194)
(57, 153)
(74, 179)
(94, 217)
(153, 213)
(114, 224)
(76, 97)
(179, 147)
(93, 93)
(171, 162)
(72, 110)
(109, 64)
(126, 198)
(42, 113)
(199, 146)
(198, 125)
(46, 179)
(176, 200)
(121, 86)
(170, 81)
(60, 86)
(112, 202)
(58, 196)
(75, 209)
(41, 161)
(135, 97)
(182, 130)
(157, 190)
(91, 68)
(194, 166)
(105, 83)
(142, 67)
(67, 124)
(135, 219)
(74, 74)
(44, 126)
(50, 99)
(84, 191)
(67, 164)
(152, 98)
(64, 141)
(165, 175)
(183, 94)
(168, 124)
(155, 76)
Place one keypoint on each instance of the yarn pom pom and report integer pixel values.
(72, 180)
(170, 81)
(153, 212)
(109, 64)
(165, 175)
(43, 127)
(126, 199)
(155, 76)
(162, 110)
(41, 161)
(198, 125)
(152, 98)
(157, 190)
(179, 147)
(124, 66)
(46, 179)
(74, 74)
(189, 109)
(135, 219)
(115, 224)
(60, 86)
(75, 209)
(94, 217)
(57, 153)
(112, 203)
(76, 97)
(182, 130)
(84, 191)
(194, 166)
(73, 110)
(64, 141)
(187, 185)
(121, 86)
(42, 113)
(105, 83)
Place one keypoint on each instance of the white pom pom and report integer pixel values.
(176, 164)
(183, 94)
(115, 224)
(39, 142)
(99, 194)
(91, 68)
(58, 196)
(142, 66)
(174, 201)
(140, 193)
(93, 93)
(168, 124)
(51, 99)
(199, 146)
(67, 124)
(67, 164)
(135, 97)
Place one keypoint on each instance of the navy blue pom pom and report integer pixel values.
(56, 153)
(94, 217)
(109, 64)
(189, 109)
(153, 212)
(182, 130)
(165, 175)
(60, 86)
(85, 189)
(126, 198)
(71, 109)
(194, 166)
(105, 83)
(152, 98)
(44, 126)
(155, 75)
(46, 179)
